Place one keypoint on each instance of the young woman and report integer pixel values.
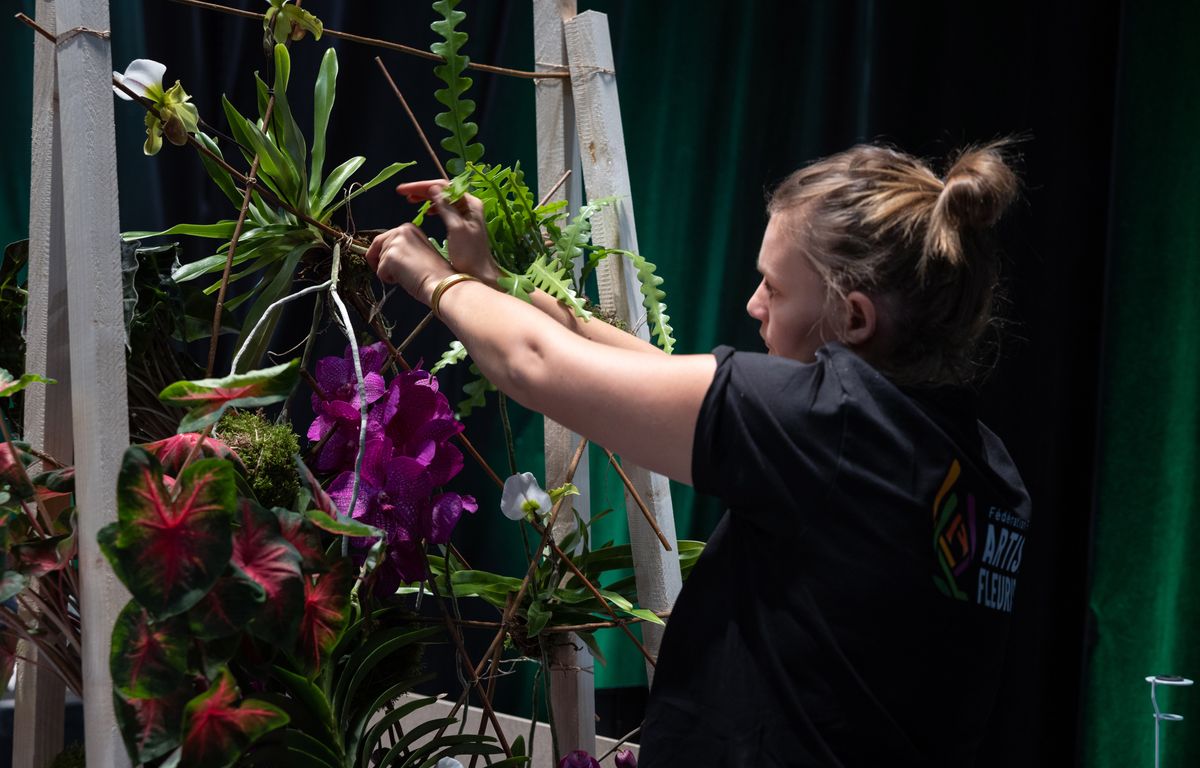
(852, 606)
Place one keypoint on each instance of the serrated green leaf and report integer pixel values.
(452, 356)
(551, 279)
(455, 119)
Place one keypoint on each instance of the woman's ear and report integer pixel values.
(861, 319)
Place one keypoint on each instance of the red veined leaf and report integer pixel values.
(14, 526)
(320, 499)
(148, 658)
(326, 610)
(172, 451)
(230, 605)
(208, 399)
(12, 459)
(41, 556)
(169, 547)
(302, 535)
(151, 727)
(216, 730)
(260, 550)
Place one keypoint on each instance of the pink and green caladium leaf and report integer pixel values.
(208, 399)
(216, 729)
(304, 536)
(170, 546)
(326, 610)
(232, 603)
(148, 659)
(172, 451)
(38, 557)
(268, 559)
(151, 727)
(11, 385)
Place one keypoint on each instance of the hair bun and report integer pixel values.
(977, 190)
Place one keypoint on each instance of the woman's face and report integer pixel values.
(791, 301)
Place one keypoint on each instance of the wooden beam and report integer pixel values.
(572, 669)
(40, 696)
(606, 173)
(97, 341)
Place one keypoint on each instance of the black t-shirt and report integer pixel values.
(852, 606)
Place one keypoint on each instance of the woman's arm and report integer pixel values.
(642, 406)
(472, 256)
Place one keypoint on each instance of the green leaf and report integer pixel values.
(208, 399)
(460, 143)
(380, 177)
(12, 583)
(324, 93)
(364, 661)
(537, 616)
(218, 174)
(554, 281)
(278, 287)
(652, 297)
(345, 526)
(303, 19)
(10, 386)
(274, 166)
(222, 230)
(150, 727)
(333, 185)
(311, 696)
(455, 354)
(362, 717)
(284, 129)
(474, 393)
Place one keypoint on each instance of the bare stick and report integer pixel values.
(385, 44)
(412, 118)
(561, 180)
(233, 242)
(637, 498)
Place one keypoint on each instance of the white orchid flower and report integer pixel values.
(144, 77)
(523, 496)
(448, 762)
(176, 117)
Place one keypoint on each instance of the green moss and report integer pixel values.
(267, 450)
(71, 757)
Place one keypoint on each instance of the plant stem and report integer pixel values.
(509, 447)
(424, 139)
(637, 498)
(385, 44)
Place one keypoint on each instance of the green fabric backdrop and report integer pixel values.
(1146, 577)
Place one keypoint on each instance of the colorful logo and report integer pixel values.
(954, 536)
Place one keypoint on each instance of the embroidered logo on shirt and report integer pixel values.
(957, 525)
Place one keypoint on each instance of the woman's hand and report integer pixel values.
(466, 230)
(404, 256)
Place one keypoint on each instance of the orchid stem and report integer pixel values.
(348, 328)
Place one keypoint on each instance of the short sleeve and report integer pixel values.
(769, 434)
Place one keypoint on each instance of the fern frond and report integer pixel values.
(474, 393)
(551, 278)
(652, 295)
(452, 356)
(460, 143)
(577, 236)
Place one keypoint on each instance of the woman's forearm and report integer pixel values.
(594, 330)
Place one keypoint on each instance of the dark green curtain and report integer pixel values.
(1144, 602)
(719, 100)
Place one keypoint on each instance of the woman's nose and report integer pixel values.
(754, 307)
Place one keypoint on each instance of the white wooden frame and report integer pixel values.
(75, 250)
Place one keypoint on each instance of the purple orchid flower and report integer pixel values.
(625, 759)
(336, 404)
(578, 759)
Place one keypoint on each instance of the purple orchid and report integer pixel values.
(578, 759)
(625, 759)
(336, 403)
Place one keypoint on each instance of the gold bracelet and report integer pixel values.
(446, 282)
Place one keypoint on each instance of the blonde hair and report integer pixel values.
(877, 220)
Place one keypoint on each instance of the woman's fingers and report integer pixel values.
(418, 191)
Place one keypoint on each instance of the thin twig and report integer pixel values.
(637, 498)
(561, 180)
(412, 118)
(412, 335)
(36, 27)
(620, 741)
(385, 44)
(233, 243)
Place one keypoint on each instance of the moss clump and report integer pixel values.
(267, 450)
(71, 757)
